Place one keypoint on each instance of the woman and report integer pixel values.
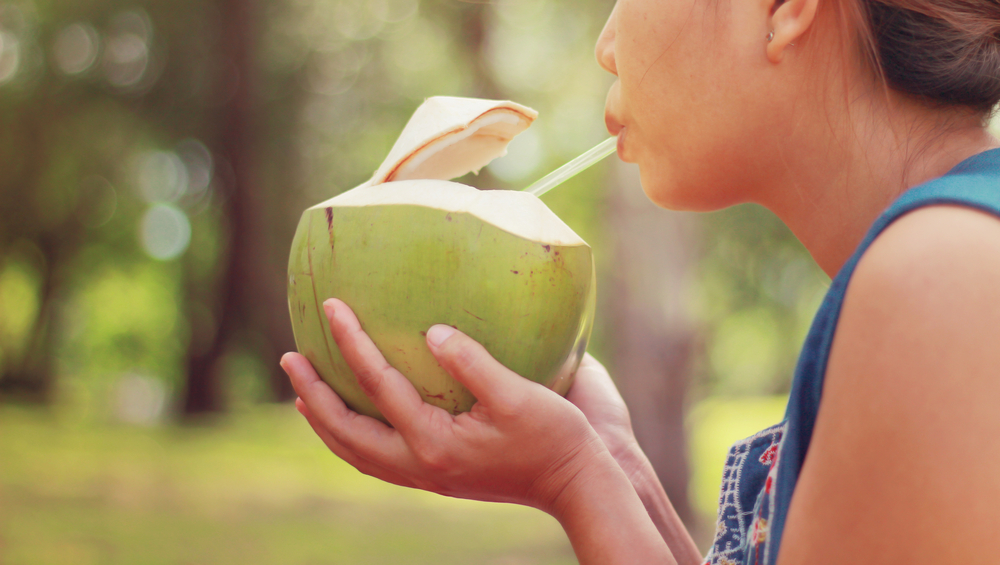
(861, 124)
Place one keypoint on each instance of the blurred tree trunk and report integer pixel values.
(652, 334)
(31, 375)
(471, 29)
(250, 301)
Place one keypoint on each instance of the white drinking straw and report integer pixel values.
(574, 167)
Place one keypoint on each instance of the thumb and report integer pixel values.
(470, 364)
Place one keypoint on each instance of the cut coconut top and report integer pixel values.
(448, 137)
(518, 213)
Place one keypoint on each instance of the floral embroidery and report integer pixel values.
(759, 532)
(720, 528)
(768, 456)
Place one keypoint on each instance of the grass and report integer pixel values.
(259, 487)
(255, 488)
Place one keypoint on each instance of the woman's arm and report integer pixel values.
(904, 462)
(647, 484)
(521, 442)
(596, 395)
(605, 518)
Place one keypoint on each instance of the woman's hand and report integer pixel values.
(595, 394)
(520, 443)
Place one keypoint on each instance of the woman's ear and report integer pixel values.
(790, 20)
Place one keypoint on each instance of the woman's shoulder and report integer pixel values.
(936, 247)
(905, 438)
(929, 259)
(929, 282)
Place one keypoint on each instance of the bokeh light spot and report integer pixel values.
(356, 20)
(125, 60)
(533, 14)
(423, 48)
(524, 155)
(10, 56)
(199, 167)
(140, 399)
(97, 202)
(162, 176)
(335, 72)
(127, 50)
(76, 48)
(393, 11)
(165, 232)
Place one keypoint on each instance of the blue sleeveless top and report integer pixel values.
(761, 471)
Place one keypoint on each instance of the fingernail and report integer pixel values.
(439, 334)
(330, 308)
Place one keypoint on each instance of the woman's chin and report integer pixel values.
(680, 195)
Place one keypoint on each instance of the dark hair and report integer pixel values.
(945, 52)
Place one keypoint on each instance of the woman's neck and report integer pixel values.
(831, 192)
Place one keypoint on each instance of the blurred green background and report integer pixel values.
(154, 158)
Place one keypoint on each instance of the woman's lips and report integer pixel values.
(617, 129)
(613, 125)
(611, 121)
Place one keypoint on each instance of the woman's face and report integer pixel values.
(692, 105)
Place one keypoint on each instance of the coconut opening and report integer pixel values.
(456, 154)
(518, 213)
(448, 137)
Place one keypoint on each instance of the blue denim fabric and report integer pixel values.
(755, 498)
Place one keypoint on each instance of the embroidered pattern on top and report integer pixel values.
(744, 501)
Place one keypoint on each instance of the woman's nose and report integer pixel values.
(605, 49)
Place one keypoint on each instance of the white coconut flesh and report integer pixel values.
(517, 213)
(461, 152)
(448, 137)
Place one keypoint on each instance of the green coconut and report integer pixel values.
(409, 249)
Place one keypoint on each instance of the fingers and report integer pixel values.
(590, 362)
(593, 380)
(470, 364)
(595, 394)
(352, 458)
(366, 436)
(388, 389)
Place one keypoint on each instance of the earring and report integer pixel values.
(770, 36)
